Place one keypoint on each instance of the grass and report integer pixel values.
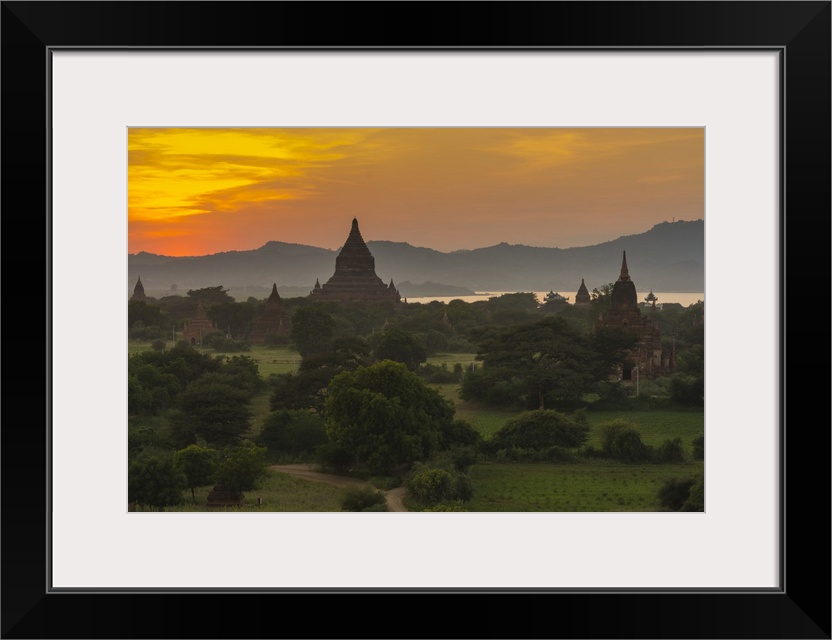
(280, 492)
(584, 487)
(654, 426)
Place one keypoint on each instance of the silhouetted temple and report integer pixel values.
(582, 297)
(138, 291)
(355, 278)
(648, 356)
(273, 320)
(198, 327)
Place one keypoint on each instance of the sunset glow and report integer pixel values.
(202, 191)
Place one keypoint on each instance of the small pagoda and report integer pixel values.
(582, 298)
(272, 322)
(355, 278)
(138, 291)
(198, 327)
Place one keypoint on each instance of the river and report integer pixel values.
(685, 299)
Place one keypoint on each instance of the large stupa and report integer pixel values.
(355, 278)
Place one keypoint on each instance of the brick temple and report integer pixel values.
(198, 327)
(649, 356)
(273, 320)
(355, 278)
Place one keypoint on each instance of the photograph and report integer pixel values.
(400, 319)
(416, 314)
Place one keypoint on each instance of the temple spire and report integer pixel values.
(625, 273)
(274, 294)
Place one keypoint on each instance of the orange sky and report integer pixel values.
(201, 191)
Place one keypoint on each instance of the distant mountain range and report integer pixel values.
(668, 257)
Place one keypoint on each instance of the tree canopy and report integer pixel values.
(385, 415)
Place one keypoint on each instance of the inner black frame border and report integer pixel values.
(799, 31)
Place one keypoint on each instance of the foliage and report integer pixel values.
(313, 329)
(308, 388)
(429, 485)
(155, 481)
(214, 410)
(199, 465)
(158, 345)
(670, 451)
(359, 498)
(699, 447)
(674, 493)
(210, 296)
(292, 433)
(400, 346)
(688, 390)
(621, 441)
(533, 365)
(385, 415)
(243, 467)
(540, 429)
(696, 497)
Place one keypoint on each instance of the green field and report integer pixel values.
(592, 486)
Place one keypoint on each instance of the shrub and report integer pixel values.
(622, 442)
(699, 447)
(696, 497)
(431, 486)
(155, 481)
(358, 498)
(158, 345)
(670, 451)
(674, 493)
(539, 430)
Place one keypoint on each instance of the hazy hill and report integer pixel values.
(668, 257)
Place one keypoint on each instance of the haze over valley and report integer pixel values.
(668, 257)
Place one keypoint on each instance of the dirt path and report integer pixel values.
(307, 472)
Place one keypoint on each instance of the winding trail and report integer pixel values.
(307, 472)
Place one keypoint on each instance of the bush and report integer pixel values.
(696, 497)
(540, 430)
(670, 451)
(622, 442)
(431, 486)
(674, 493)
(358, 498)
(158, 345)
(699, 447)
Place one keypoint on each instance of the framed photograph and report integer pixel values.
(753, 77)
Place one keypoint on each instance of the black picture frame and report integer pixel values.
(800, 31)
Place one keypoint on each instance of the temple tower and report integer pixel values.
(273, 321)
(138, 291)
(582, 297)
(355, 278)
(198, 327)
(648, 355)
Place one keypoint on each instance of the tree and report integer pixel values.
(307, 389)
(384, 416)
(198, 464)
(155, 481)
(243, 468)
(313, 329)
(214, 411)
(534, 364)
(210, 296)
(292, 433)
(399, 345)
